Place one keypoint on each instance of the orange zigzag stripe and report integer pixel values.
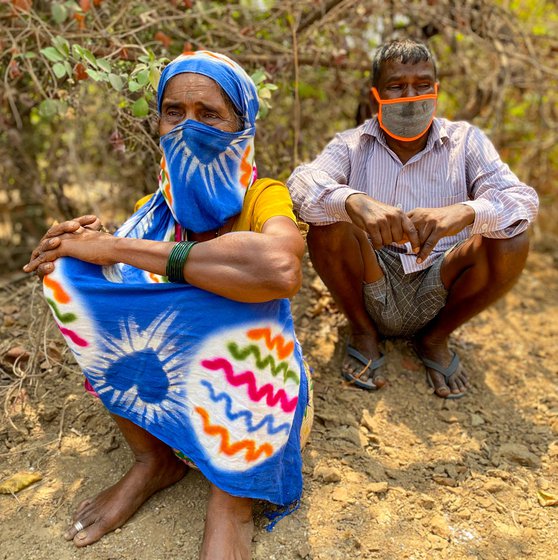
(168, 191)
(245, 168)
(59, 294)
(283, 349)
(232, 449)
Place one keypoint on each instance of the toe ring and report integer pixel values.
(78, 526)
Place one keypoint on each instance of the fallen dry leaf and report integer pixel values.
(16, 353)
(18, 482)
(547, 499)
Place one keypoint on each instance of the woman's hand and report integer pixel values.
(79, 238)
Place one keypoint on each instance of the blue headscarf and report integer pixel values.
(232, 78)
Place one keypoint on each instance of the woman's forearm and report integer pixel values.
(243, 266)
(247, 267)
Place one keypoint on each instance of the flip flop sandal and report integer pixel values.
(369, 366)
(447, 372)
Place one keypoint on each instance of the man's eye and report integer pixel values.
(173, 114)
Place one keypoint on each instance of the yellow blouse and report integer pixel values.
(266, 198)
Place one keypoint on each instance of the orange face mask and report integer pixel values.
(406, 118)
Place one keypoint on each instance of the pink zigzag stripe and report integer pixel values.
(248, 378)
(75, 338)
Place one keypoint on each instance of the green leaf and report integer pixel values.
(142, 77)
(52, 54)
(147, 58)
(97, 76)
(104, 64)
(133, 86)
(68, 68)
(258, 76)
(154, 76)
(263, 112)
(88, 55)
(116, 81)
(59, 70)
(80, 52)
(140, 108)
(62, 107)
(59, 13)
(77, 51)
(48, 108)
(62, 45)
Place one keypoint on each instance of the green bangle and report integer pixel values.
(177, 259)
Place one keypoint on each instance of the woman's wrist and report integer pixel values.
(148, 255)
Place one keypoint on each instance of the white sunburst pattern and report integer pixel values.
(155, 392)
(225, 166)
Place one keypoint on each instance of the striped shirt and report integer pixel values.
(459, 164)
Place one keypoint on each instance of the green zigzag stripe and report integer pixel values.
(62, 317)
(242, 354)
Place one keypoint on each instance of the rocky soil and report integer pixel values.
(394, 474)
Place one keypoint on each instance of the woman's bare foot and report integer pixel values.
(366, 345)
(438, 351)
(228, 527)
(114, 506)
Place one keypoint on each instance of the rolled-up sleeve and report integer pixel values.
(504, 206)
(319, 189)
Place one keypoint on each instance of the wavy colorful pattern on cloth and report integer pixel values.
(68, 312)
(223, 382)
(248, 392)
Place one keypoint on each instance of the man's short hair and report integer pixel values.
(406, 51)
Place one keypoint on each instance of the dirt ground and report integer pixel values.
(395, 474)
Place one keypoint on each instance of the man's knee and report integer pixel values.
(506, 257)
(331, 238)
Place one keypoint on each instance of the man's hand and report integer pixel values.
(385, 224)
(49, 248)
(434, 223)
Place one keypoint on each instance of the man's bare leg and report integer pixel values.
(344, 259)
(228, 527)
(477, 273)
(155, 468)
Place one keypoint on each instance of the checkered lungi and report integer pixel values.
(401, 304)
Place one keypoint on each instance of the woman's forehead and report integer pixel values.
(186, 81)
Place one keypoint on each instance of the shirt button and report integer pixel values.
(400, 206)
(484, 227)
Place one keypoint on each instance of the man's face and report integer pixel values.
(405, 80)
(195, 97)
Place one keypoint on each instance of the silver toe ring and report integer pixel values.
(78, 526)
